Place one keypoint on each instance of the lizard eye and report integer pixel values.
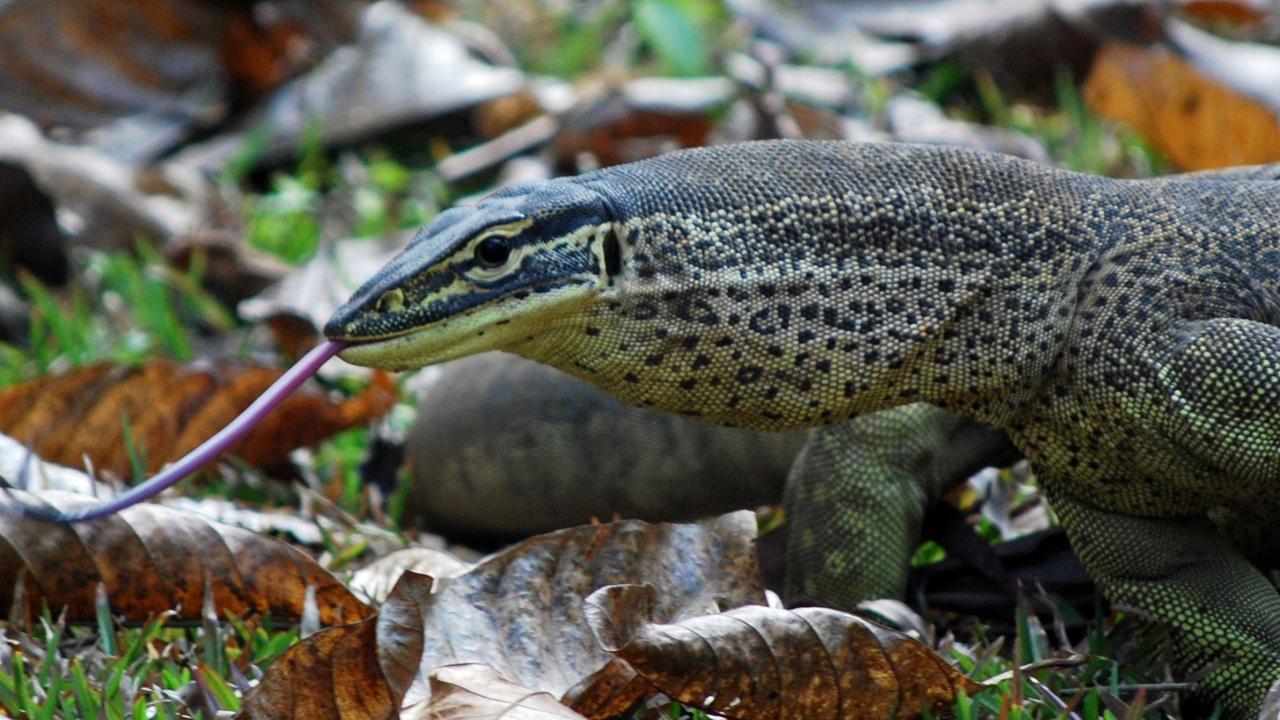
(492, 252)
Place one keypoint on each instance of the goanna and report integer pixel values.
(1123, 333)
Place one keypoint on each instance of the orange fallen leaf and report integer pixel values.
(170, 409)
(1196, 121)
(1230, 12)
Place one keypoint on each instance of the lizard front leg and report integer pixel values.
(1180, 529)
(1221, 612)
(857, 494)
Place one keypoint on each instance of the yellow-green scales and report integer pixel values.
(1122, 332)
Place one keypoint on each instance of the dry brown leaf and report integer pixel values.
(478, 692)
(757, 663)
(520, 611)
(609, 691)
(341, 661)
(83, 63)
(1245, 13)
(171, 408)
(400, 70)
(154, 559)
(1197, 122)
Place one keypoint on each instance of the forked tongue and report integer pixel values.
(209, 450)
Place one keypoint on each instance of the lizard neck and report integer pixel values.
(777, 296)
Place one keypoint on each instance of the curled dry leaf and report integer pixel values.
(376, 580)
(314, 291)
(520, 611)
(478, 692)
(642, 119)
(170, 409)
(154, 559)
(756, 662)
(1180, 110)
(20, 467)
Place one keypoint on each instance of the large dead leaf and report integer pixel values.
(400, 70)
(757, 663)
(1249, 68)
(171, 408)
(153, 559)
(520, 612)
(164, 64)
(1180, 110)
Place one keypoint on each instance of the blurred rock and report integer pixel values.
(503, 447)
(14, 316)
(915, 119)
(826, 42)
(1021, 43)
(232, 270)
(30, 237)
(315, 290)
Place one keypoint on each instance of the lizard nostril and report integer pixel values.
(391, 301)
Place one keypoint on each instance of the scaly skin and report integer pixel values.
(858, 493)
(503, 447)
(1122, 332)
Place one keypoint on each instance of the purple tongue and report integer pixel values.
(208, 450)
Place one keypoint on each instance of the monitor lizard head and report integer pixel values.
(483, 277)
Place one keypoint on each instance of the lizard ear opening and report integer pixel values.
(612, 252)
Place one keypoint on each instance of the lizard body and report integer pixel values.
(1122, 332)
(503, 447)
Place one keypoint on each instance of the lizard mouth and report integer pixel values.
(489, 326)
